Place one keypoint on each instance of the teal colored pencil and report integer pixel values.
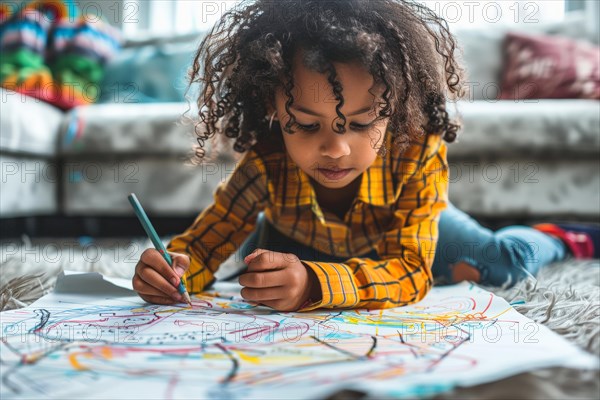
(141, 214)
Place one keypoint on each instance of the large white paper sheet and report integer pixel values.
(94, 339)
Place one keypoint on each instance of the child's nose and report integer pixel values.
(335, 146)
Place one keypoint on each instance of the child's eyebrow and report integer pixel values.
(310, 112)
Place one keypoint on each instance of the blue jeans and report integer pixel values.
(502, 257)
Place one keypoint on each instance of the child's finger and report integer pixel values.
(180, 264)
(151, 282)
(263, 294)
(145, 289)
(268, 260)
(149, 292)
(265, 279)
(182, 259)
(155, 260)
(252, 255)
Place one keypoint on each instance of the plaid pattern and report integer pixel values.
(396, 212)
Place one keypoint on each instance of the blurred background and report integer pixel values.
(93, 98)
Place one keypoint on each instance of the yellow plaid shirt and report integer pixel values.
(396, 212)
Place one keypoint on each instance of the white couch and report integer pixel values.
(514, 159)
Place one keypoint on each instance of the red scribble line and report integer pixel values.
(180, 322)
(171, 387)
(474, 303)
(201, 304)
(454, 347)
(489, 304)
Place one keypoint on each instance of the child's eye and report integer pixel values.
(360, 127)
(353, 126)
(308, 128)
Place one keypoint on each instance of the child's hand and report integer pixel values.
(278, 280)
(156, 281)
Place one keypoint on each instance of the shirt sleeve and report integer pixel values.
(222, 227)
(407, 248)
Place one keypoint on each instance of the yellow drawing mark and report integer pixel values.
(378, 322)
(214, 356)
(171, 310)
(106, 352)
(32, 358)
(74, 363)
(497, 315)
(391, 373)
(351, 320)
(249, 358)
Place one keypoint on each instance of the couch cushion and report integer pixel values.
(154, 71)
(481, 49)
(534, 128)
(28, 125)
(165, 186)
(526, 188)
(142, 129)
(549, 67)
(29, 186)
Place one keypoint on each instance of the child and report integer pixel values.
(340, 110)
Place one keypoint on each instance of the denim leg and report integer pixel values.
(502, 257)
(253, 241)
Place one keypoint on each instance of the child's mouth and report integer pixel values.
(334, 175)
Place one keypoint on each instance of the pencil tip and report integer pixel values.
(187, 298)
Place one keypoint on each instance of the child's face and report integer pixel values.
(319, 146)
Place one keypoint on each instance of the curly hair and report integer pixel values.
(248, 53)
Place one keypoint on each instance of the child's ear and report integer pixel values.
(270, 109)
(270, 105)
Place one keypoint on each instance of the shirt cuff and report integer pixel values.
(337, 285)
(197, 277)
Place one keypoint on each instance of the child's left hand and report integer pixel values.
(278, 280)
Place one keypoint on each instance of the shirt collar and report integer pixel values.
(377, 187)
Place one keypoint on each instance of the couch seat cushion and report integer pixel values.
(132, 129)
(528, 127)
(28, 125)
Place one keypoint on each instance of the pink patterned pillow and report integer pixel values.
(549, 67)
